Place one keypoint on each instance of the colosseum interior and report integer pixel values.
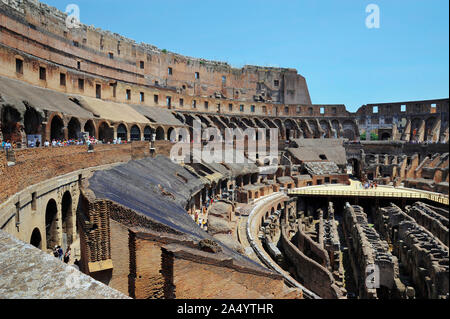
(302, 224)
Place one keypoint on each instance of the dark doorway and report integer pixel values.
(57, 129)
(36, 239)
(51, 224)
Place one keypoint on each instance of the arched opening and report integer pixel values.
(159, 134)
(67, 218)
(135, 133)
(122, 132)
(171, 136)
(350, 130)
(89, 128)
(36, 239)
(51, 224)
(148, 132)
(105, 132)
(57, 128)
(10, 124)
(356, 167)
(349, 134)
(74, 129)
(429, 125)
(326, 128)
(32, 121)
(385, 137)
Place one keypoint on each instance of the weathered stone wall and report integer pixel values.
(425, 259)
(311, 248)
(368, 249)
(427, 217)
(190, 273)
(35, 165)
(308, 272)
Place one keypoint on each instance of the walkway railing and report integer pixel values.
(403, 194)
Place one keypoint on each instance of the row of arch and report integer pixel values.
(288, 128)
(56, 225)
(15, 126)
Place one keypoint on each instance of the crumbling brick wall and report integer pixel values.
(59, 161)
(308, 272)
(194, 274)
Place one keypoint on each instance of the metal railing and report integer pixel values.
(442, 199)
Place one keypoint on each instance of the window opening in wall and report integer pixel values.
(433, 108)
(128, 94)
(142, 97)
(33, 201)
(194, 104)
(241, 108)
(19, 66)
(170, 71)
(181, 102)
(252, 109)
(403, 108)
(276, 83)
(375, 109)
(197, 75)
(114, 87)
(111, 55)
(323, 157)
(81, 84)
(42, 73)
(286, 110)
(62, 79)
(224, 79)
(142, 64)
(76, 44)
(169, 101)
(322, 110)
(78, 65)
(156, 98)
(206, 105)
(98, 91)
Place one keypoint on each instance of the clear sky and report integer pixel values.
(327, 41)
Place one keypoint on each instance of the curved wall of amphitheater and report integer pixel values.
(37, 48)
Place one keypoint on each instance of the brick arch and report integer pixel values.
(56, 130)
(73, 128)
(105, 131)
(51, 223)
(135, 133)
(160, 133)
(90, 127)
(119, 131)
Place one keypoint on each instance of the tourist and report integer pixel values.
(7, 145)
(46, 143)
(55, 252)
(60, 253)
(67, 255)
(38, 143)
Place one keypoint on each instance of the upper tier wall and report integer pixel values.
(113, 54)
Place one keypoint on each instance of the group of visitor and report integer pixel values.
(6, 145)
(369, 185)
(58, 252)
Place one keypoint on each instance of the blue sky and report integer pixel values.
(327, 41)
